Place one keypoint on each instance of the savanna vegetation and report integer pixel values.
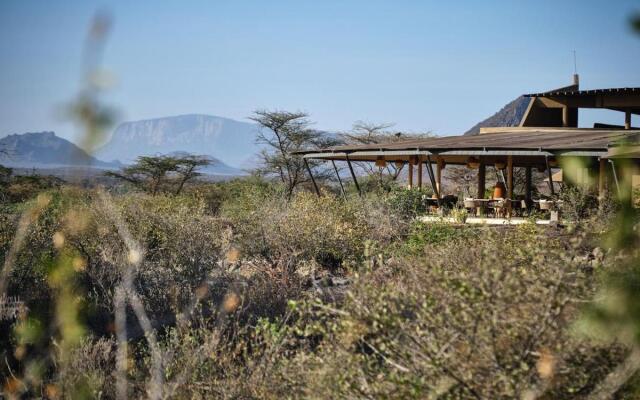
(170, 287)
(243, 289)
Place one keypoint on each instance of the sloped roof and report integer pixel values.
(552, 140)
(568, 91)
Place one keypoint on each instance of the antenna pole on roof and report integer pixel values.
(576, 77)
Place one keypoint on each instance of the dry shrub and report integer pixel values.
(325, 229)
(90, 375)
(181, 246)
(232, 346)
(483, 319)
(455, 313)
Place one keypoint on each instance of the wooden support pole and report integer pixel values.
(602, 173)
(509, 184)
(410, 175)
(627, 120)
(482, 178)
(439, 163)
(344, 194)
(315, 186)
(565, 116)
(528, 186)
(353, 174)
(549, 176)
(419, 174)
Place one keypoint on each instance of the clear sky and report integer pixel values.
(424, 65)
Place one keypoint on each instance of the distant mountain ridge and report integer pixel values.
(232, 142)
(45, 149)
(509, 115)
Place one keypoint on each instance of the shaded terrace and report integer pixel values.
(596, 150)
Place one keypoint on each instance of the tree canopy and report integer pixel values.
(154, 173)
(283, 133)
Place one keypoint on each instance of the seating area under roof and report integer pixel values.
(547, 138)
(492, 141)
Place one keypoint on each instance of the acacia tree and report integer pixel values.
(151, 172)
(187, 169)
(284, 133)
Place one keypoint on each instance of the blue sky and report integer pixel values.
(423, 65)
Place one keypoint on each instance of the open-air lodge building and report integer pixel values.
(547, 139)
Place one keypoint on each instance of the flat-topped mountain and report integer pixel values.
(232, 142)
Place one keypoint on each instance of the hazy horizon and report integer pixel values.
(423, 66)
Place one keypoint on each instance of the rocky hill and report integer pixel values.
(45, 149)
(509, 115)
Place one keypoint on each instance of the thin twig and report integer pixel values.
(121, 335)
(135, 257)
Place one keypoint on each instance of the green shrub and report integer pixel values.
(407, 203)
(236, 191)
(577, 204)
(422, 234)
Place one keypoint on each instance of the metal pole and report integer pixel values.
(509, 185)
(339, 179)
(546, 160)
(353, 174)
(501, 175)
(433, 179)
(315, 186)
(615, 177)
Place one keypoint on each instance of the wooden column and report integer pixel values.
(528, 183)
(482, 178)
(439, 176)
(627, 120)
(419, 174)
(509, 184)
(602, 172)
(565, 116)
(410, 174)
